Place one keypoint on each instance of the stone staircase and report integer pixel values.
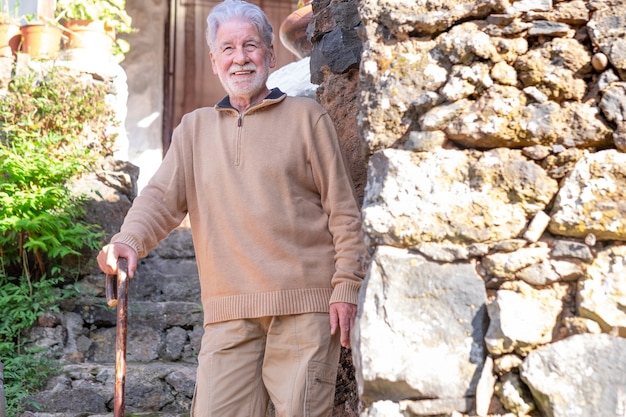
(164, 332)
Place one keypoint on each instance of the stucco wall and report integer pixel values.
(144, 66)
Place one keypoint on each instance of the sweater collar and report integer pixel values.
(275, 96)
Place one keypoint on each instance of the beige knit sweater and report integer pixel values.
(275, 222)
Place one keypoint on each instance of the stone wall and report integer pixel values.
(334, 65)
(494, 208)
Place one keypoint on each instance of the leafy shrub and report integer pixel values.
(52, 129)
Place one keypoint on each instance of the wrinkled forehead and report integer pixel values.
(239, 24)
(237, 29)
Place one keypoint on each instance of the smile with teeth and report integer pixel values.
(243, 71)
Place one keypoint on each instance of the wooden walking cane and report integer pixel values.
(117, 295)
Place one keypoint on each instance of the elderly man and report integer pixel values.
(276, 230)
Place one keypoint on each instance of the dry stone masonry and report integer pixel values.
(494, 207)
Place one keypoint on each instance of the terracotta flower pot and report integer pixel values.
(93, 36)
(9, 39)
(41, 41)
(292, 31)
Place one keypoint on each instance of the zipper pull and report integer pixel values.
(239, 121)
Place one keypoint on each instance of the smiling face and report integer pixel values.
(242, 62)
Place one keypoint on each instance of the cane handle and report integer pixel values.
(112, 282)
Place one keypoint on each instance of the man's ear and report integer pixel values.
(213, 65)
(272, 56)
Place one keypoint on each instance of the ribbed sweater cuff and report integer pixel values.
(130, 241)
(346, 292)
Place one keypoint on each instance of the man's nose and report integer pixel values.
(241, 56)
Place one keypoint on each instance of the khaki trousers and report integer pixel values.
(243, 363)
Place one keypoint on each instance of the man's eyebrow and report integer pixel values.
(245, 40)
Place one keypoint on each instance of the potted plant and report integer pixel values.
(94, 24)
(41, 38)
(9, 29)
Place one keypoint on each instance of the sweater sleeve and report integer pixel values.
(161, 205)
(339, 201)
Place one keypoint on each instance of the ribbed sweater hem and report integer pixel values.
(276, 303)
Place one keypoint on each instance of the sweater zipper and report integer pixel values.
(238, 141)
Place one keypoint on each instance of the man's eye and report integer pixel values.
(251, 46)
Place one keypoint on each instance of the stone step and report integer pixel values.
(156, 279)
(156, 331)
(160, 315)
(166, 331)
(169, 273)
(156, 285)
(154, 389)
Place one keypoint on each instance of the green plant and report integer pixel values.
(26, 373)
(47, 139)
(112, 11)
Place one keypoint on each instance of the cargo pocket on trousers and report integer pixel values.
(320, 389)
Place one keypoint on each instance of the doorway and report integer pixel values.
(189, 79)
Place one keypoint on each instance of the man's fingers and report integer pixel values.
(346, 327)
(342, 315)
(108, 256)
(107, 260)
(131, 263)
(345, 338)
(112, 257)
(334, 320)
